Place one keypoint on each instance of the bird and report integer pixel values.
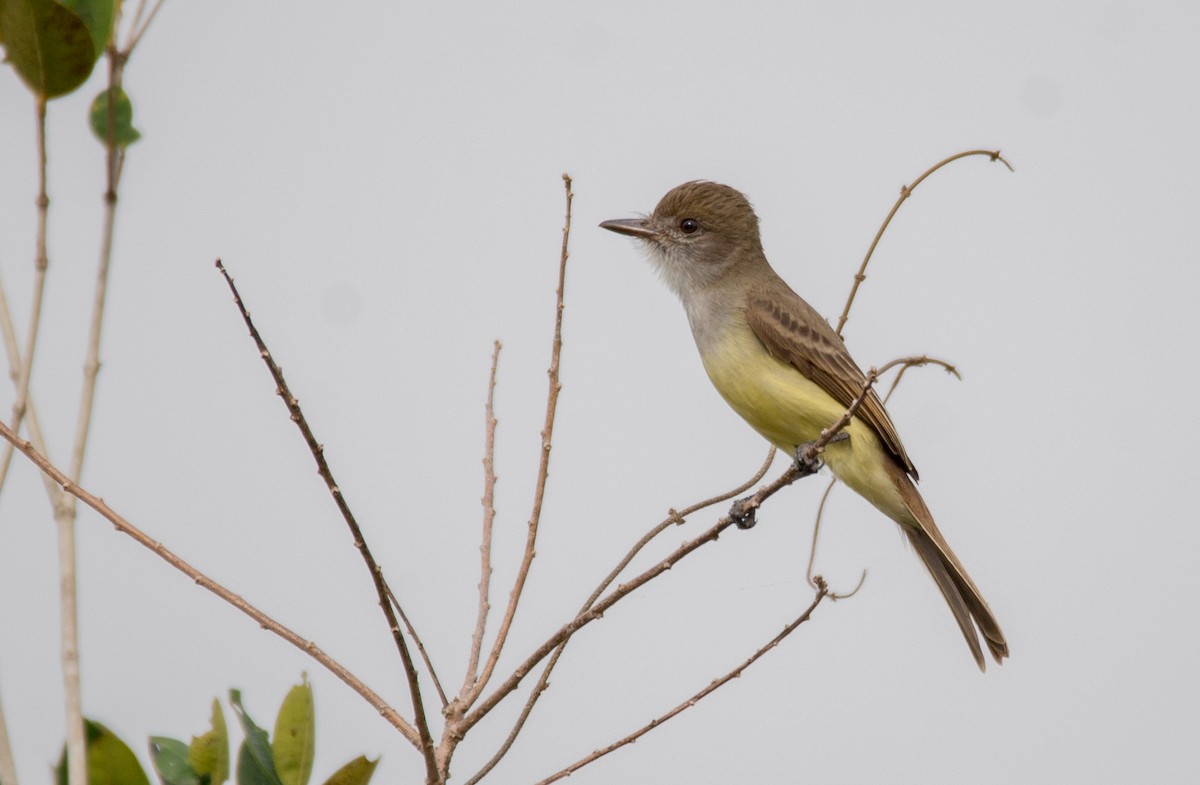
(777, 362)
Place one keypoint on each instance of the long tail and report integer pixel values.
(964, 598)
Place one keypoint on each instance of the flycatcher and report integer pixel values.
(780, 365)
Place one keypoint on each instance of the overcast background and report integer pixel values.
(384, 183)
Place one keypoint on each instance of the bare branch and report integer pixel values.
(905, 192)
(318, 453)
(673, 519)
(91, 366)
(812, 551)
(489, 516)
(202, 580)
(822, 592)
(41, 262)
(917, 362)
(13, 355)
(76, 755)
(539, 493)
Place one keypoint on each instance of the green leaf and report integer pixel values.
(255, 765)
(124, 133)
(110, 761)
(209, 754)
(356, 772)
(292, 745)
(170, 758)
(97, 16)
(53, 47)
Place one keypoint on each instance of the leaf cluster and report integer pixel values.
(284, 757)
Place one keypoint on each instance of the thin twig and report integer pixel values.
(905, 192)
(673, 518)
(41, 262)
(266, 622)
(91, 365)
(489, 515)
(412, 633)
(917, 362)
(136, 32)
(812, 551)
(13, 355)
(539, 493)
(64, 522)
(137, 16)
(822, 592)
(318, 453)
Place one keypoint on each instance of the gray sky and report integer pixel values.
(384, 184)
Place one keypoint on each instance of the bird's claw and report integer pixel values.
(808, 458)
(743, 513)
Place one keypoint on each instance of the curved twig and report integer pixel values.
(905, 192)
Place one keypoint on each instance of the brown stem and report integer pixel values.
(318, 453)
(41, 262)
(489, 516)
(905, 192)
(822, 592)
(412, 633)
(539, 493)
(598, 608)
(202, 580)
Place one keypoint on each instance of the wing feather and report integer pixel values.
(794, 332)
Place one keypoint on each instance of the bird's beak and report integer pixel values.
(634, 227)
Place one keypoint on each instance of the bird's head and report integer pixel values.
(697, 233)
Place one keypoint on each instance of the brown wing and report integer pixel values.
(794, 332)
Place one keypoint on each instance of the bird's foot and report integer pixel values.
(742, 512)
(808, 459)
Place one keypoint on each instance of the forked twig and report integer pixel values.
(674, 518)
(266, 622)
(905, 192)
(318, 453)
(136, 30)
(412, 633)
(715, 684)
(539, 492)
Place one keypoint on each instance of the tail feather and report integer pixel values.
(962, 595)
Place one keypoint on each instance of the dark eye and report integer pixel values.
(689, 225)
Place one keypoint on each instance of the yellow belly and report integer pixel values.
(789, 409)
